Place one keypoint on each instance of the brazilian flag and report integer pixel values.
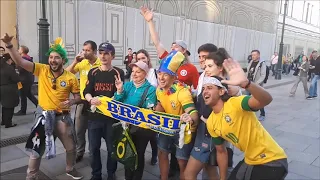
(124, 150)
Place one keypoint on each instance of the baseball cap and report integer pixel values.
(107, 47)
(214, 81)
(182, 43)
(142, 65)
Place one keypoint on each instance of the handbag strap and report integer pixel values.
(144, 95)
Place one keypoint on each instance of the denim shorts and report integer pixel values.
(203, 144)
(168, 143)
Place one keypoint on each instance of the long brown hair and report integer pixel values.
(145, 52)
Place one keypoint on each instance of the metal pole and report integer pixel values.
(279, 65)
(43, 35)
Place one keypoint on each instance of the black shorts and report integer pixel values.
(261, 172)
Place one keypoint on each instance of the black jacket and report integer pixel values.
(9, 96)
(26, 76)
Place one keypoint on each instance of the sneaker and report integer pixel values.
(262, 118)
(291, 95)
(74, 174)
(154, 161)
(310, 98)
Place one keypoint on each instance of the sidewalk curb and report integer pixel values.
(279, 84)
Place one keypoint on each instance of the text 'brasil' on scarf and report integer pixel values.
(163, 123)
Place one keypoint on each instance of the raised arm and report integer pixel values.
(73, 68)
(260, 97)
(148, 16)
(15, 56)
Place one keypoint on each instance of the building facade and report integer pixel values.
(8, 19)
(239, 26)
(302, 27)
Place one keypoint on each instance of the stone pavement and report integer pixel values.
(294, 122)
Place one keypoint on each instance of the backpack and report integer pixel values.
(267, 73)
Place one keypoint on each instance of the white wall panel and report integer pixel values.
(124, 27)
(91, 22)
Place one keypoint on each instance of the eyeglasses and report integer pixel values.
(54, 82)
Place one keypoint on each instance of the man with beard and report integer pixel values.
(174, 98)
(101, 82)
(83, 62)
(54, 87)
(233, 119)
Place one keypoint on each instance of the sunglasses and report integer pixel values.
(54, 83)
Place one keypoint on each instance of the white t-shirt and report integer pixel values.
(200, 84)
(152, 78)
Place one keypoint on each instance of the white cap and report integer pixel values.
(182, 43)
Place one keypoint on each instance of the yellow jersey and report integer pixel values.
(83, 68)
(238, 124)
(50, 98)
(176, 100)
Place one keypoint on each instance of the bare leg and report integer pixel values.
(163, 164)
(192, 169)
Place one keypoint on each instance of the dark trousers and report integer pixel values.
(261, 172)
(174, 166)
(154, 146)
(25, 93)
(95, 134)
(7, 114)
(140, 139)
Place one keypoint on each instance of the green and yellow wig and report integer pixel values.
(58, 47)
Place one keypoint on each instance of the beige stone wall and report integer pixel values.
(8, 19)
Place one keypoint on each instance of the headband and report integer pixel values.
(214, 81)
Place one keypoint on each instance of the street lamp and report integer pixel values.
(43, 35)
(279, 65)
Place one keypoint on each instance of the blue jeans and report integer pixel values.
(313, 86)
(95, 133)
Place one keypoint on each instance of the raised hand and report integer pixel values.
(236, 74)
(6, 38)
(80, 56)
(146, 13)
(118, 83)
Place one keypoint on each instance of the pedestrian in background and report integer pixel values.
(9, 96)
(302, 76)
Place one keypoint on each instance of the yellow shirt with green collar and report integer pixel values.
(50, 98)
(238, 124)
(83, 68)
(176, 99)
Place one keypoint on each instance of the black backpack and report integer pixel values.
(267, 73)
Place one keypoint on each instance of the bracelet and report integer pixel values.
(192, 111)
(9, 46)
(247, 86)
